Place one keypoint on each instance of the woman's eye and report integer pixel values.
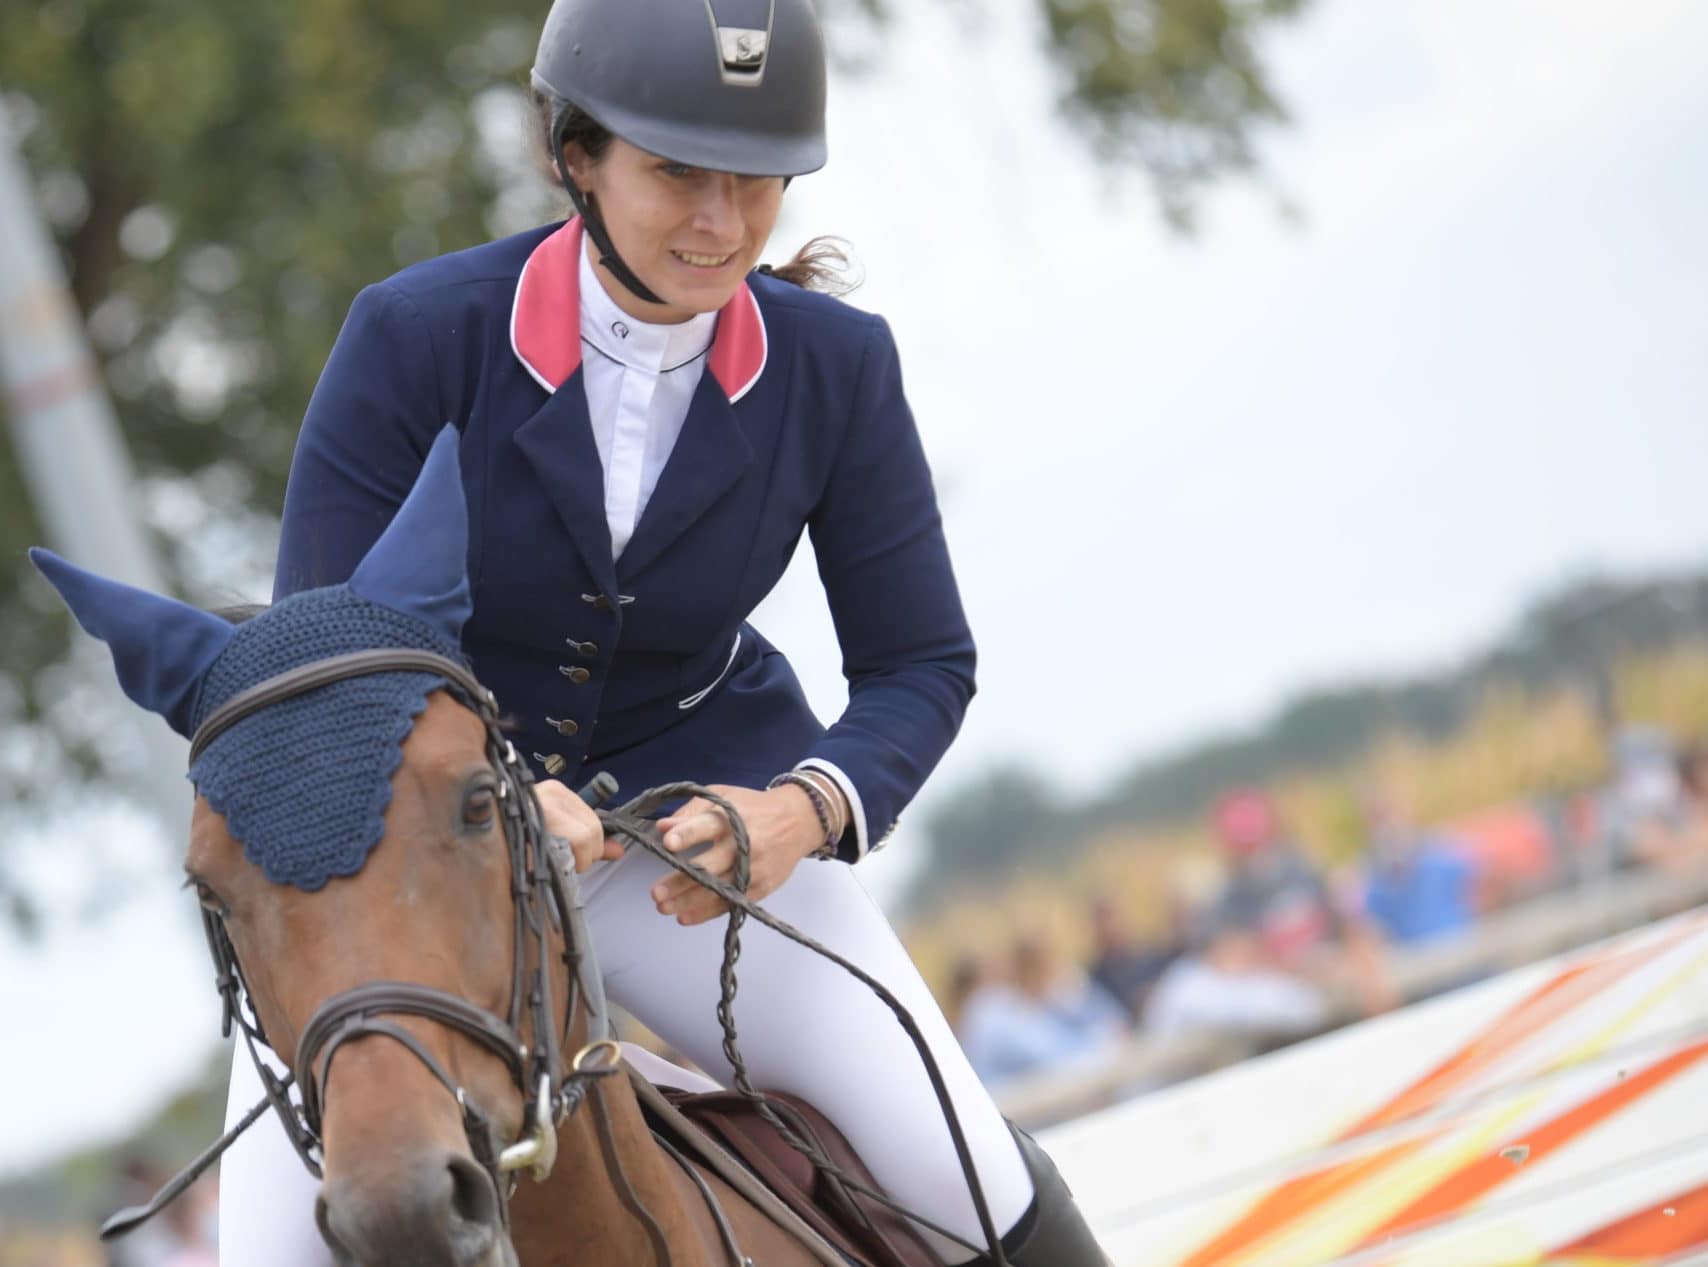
(676, 170)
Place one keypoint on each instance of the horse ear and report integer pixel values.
(161, 648)
(419, 566)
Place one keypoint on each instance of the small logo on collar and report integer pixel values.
(620, 329)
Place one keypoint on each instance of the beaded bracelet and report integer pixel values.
(833, 794)
(820, 807)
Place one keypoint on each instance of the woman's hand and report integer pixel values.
(782, 828)
(567, 815)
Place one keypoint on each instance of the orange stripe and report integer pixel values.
(1545, 1005)
(1487, 1173)
(1298, 1195)
(1648, 1236)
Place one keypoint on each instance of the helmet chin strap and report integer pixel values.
(595, 225)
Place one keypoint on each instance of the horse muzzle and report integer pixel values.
(440, 1211)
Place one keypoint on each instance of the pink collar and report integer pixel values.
(545, 322)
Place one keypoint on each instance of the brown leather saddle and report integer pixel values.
(723, 1130)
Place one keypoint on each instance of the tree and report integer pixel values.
(1002, 819)
(223, 178)
(1176, 86)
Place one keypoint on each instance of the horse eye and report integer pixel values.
(479, 807)
(209, 900)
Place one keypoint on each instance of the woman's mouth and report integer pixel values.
(703, 261)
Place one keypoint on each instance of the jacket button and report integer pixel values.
(554, 764)
(582, 648)
(575, 673)
(566, 727)
(599, 602)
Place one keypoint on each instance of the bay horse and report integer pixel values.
(435, 906)
(422, 978)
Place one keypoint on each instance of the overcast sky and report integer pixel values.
(1184, 479)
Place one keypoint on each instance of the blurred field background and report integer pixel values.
(1520, 750)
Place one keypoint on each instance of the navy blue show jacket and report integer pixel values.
(646, 666)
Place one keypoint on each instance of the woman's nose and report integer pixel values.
(719, 210)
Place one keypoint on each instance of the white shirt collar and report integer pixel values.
(638, 344)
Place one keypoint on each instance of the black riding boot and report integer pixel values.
(1052, 1232)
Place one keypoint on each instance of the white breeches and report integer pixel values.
(805, 1026)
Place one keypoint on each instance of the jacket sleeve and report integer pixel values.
(365, 436)
(906, 650)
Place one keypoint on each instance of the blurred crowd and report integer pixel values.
(184, 1234)
(1280, 947)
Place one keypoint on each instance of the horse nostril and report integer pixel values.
(473, 1199)
(442, 1210)
(325, 1220)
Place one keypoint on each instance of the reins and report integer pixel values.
(631, 823)
(545, 892)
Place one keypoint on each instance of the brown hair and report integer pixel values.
(822, 264)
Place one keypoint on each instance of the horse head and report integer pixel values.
(369, 855)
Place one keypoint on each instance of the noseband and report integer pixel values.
(541, 885)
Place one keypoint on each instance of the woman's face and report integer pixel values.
(691, 235)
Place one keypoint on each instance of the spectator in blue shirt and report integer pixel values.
(1419, 886)
(1039, 1016)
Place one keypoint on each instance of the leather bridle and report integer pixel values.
(546, 899)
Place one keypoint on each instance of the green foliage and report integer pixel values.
(1174, 85)
(995, 823)
(223, 178)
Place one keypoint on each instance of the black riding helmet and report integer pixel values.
(727, 85)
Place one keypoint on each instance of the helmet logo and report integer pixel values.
(743, 49)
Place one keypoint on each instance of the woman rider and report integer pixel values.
(647, 426)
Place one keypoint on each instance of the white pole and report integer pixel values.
(70, 450)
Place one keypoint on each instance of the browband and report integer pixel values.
(325, 672)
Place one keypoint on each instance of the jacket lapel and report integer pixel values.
(558, 443)
(709, 457)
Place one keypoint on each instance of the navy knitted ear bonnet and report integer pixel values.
(303, 783)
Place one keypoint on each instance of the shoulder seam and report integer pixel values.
(401, 296)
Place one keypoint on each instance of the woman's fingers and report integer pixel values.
(700, 906)
(695, 823)
(567, 815)
(701, 825)
(689, 902)
(675, 888)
